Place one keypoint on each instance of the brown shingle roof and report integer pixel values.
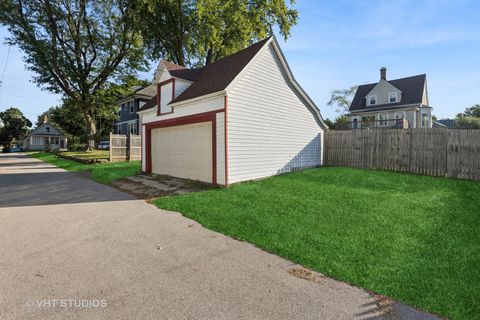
(149, 104)
(172, 66)
(218, 75)
(211, 78)
(187, 74)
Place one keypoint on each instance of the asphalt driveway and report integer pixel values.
(71, 248)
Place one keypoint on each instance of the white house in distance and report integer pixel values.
(399, 103)
(243, 117)
(45, 134)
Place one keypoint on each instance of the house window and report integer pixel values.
(424, 120)
(372, 100)
(392, 97)
(368, 121)
(132, 128)
(132, 106)
(47, 129)
(121, 108)
(355, 123)
(383, 119)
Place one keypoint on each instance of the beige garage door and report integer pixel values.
(183, 151)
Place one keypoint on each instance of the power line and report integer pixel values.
(3, 73)
(6, 63)
(30, 99)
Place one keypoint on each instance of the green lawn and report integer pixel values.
(95, 154)
(101, 172)
(413, 238)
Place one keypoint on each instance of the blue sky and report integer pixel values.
(341, 43)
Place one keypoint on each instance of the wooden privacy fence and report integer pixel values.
(125, 147)
(441, 152)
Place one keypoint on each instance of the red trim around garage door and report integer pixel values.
(196, 118)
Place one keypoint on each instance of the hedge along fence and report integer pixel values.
(125, 147)
(453, 153)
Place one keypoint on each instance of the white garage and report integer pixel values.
(240, 118)
(183, 151)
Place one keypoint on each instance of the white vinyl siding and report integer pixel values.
(382, 92)
(165, 97)
(270, 129)
(187, 109)
(180, 86)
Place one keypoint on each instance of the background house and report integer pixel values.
(127, 110)
(449, 123)
(43, 135)
(399, 103)
(243, 117)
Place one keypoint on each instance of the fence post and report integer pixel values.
(110, 148)
(128, 146)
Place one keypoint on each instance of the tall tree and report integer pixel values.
(473, 111)
(341, 99)
(14, 126)
(75, 46)
(470, 118)
(68, 116)
(199, 32)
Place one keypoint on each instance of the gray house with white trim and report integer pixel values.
(44, 135)
(399, 103)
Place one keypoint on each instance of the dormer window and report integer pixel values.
(372, 100)
(393, 97)
(47, 129)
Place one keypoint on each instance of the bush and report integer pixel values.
(467, 122)
(76, 146)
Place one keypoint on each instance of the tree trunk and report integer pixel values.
(209, 57)
(91, 131)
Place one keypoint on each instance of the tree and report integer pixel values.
(470, 118)
(329, 123)
(75, 46)
(14, 126)
(199, 32)
(341, 99)
(467, 122)
(473, 111)
(68, 116)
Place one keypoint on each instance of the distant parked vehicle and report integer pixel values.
(103, 145)
(15, 149)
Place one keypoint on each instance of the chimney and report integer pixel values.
(45, 118)
(383, 73)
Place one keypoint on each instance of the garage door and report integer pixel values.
(183, 151)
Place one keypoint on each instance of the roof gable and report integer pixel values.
(412, 89)
(41, 130)
(218, 75)
(221, 75)
(382, 83)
